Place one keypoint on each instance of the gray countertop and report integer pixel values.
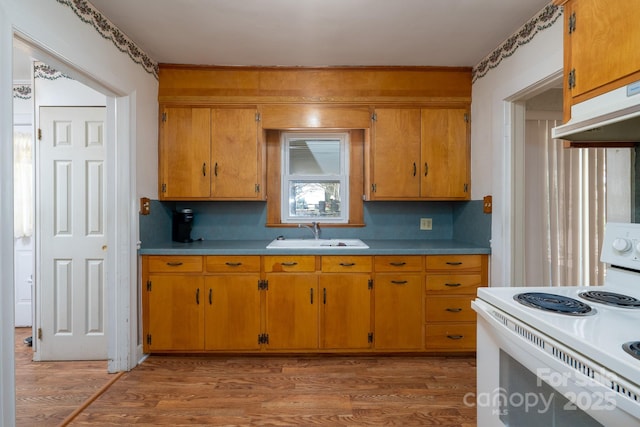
(259, 247)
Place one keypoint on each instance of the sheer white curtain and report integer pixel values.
(571, 205)
(22, 184)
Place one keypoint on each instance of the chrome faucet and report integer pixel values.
(314, 228)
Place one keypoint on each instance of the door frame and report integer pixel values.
(121, 295)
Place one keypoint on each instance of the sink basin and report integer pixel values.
(317, 244)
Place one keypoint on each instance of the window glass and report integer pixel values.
(315, 178)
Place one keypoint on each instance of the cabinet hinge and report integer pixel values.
(263, 338)
(164, 117)
(148, 339)
(373, 188)
(164, 187)
(374, 117)
(466, 117)
(39, 333)
(257, 117)
(370, 284)
(370, 337)
(39, 134)
(572, 23)
(148, 285)
(263, 285)
(572, 79)
(257, 188)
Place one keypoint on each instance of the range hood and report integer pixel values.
(610, 117)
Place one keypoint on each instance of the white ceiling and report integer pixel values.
(319, 32)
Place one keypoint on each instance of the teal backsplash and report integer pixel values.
(463, 221)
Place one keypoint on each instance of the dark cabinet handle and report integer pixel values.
(311, 294)
(454, 263)
(174, 264)
(454, 310)
(324, 295)
(204, 169)
(289, 264)
(398, 264)
(347, 264)
(455, 337)
(215, 169)
(233, 264)
(210, 296)
(399, 282)
(415, 170)
(453, 285)
(426, 169)
(198, 296)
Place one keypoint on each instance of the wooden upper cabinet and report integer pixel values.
(210, 154)
(185, 153)
(236, 154)
(601, 47)
(445, 154)
(395, 154)
(420, 154)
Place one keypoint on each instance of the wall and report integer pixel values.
(529, 66)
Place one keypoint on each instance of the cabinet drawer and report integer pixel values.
(454, 262)
(450, 309)
(174, 264)
(453, 283)
(232, 264)
(289, 263)
(346, 264)
(398, 263)
(451, 336)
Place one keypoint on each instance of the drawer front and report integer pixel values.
(346, 264)
(174, 264)
(398, 263)
(232, 264)
(293, 263)
(451, 336)
(454, 262)
(453, 283)
(450, 309)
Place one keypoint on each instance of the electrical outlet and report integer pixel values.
(426, 224)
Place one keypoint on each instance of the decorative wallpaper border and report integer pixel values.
(22, 91)
(90, 15)
(543, 20)
(44, 71)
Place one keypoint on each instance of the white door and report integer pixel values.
(72, 240)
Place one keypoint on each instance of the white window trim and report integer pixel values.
(343, 178)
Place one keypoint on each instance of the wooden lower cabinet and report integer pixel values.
(345, 311)
(232, 312)
(311, 303)
(175, 313)
(291, 311)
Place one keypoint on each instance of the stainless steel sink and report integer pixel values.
(317, 244)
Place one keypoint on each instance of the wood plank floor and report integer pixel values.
(288, 391)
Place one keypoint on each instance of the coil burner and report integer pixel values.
(554, 303)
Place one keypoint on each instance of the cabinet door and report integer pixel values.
(345, 311)
(445, 154)
(292, 311)
(604, 45)
(176, 312)
(398, 311)
(232, 312)
(395, 153)
(236, 154)
(185, 156)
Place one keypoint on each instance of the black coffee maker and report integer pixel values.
(182, 220)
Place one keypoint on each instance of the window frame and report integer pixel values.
(342, 177)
